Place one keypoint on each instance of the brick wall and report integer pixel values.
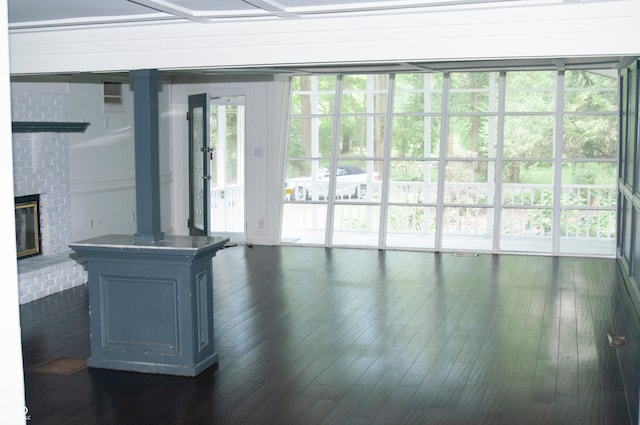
(46, 275)
(41, 166)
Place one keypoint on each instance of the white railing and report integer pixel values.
(587, 211)
(227, 209)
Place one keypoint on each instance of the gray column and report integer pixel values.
(145, 87)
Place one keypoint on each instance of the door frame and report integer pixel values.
(237, 99)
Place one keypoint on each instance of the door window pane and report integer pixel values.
(197, 167)
(230, 138)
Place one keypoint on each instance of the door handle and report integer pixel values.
(210, 151)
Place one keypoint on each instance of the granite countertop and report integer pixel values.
(182, 243)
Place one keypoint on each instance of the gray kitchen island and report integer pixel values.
(151, 304)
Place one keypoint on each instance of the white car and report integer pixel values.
(351, 182)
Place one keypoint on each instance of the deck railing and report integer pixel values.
(586, 211)
(227, 209)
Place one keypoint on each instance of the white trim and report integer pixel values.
(557, 162)
(499, 167)
(335, 134)
(386, 164)
(442, 160)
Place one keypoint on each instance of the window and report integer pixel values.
(528, 165)
(589, 162)
(511, 161)
(112, 97)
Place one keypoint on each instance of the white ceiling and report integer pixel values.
(47, 13)
(26, 15)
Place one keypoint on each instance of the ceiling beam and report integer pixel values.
(272, 7)
(268, 5)
(171, 9)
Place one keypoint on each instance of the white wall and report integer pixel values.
(265, 106)
(12, 400)
(102, 164)
(494, 31)
(102, 168)
(267, 119)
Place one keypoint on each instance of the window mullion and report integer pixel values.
(497, 201)
(441, 161)
(557, 164)
(386, 164)
(335, 134)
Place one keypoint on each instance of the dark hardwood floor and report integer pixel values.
(346, 336)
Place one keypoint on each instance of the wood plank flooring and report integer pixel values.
(347, 336)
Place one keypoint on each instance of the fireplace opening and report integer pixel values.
(27, 226)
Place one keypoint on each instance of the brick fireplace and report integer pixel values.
(41, 167)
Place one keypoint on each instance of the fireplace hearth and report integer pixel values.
(27, 213)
